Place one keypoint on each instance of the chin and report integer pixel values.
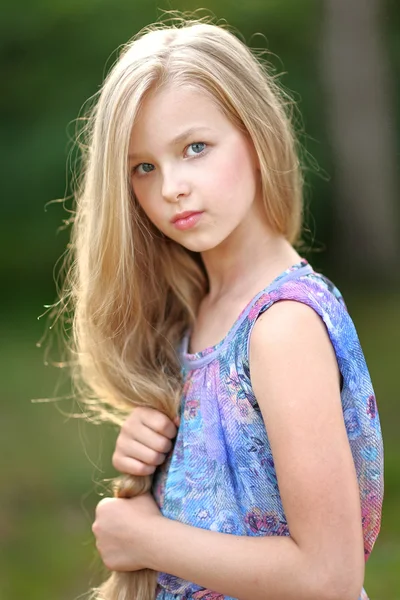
(199, 245)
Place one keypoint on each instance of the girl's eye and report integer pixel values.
(197, 148)
(143, 168)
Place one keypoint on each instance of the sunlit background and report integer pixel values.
(340, 61)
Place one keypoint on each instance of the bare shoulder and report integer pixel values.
(293, 334)
(296, 381)
(289, 318)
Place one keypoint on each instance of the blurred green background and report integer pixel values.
(340, 61)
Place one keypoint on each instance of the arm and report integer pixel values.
(296, 382)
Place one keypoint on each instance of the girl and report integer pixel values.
(190, 299)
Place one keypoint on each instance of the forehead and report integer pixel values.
(171, 111)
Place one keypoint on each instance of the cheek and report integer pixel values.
(145, 198)
(234, 175)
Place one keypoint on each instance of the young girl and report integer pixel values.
(190, 299)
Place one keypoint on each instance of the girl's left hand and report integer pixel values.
(121, 529)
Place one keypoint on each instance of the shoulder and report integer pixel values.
(284, 316)
(290, 327)
(311, 307)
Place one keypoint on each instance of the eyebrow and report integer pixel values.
(181, 137)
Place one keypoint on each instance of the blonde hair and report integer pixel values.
(133, 291)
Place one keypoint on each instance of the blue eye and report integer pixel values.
(197, 147)
(146, 168)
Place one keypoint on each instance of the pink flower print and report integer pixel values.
(371, 407)
(208, 595)
(366, 517)
(265, 522)
(256, 520)
(243, 406)
(255, 309)
(187, 387)
(191, 408)
(371, 520)
(208, 350)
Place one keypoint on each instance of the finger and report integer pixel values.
(150, 438)
(132, 466)
(135, 449)
(159, 423)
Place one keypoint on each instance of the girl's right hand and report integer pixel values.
(143, 442)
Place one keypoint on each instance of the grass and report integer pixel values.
(53, 466)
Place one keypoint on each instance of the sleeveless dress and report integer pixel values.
(220, 474)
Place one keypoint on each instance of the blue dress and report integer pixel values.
(220, 474)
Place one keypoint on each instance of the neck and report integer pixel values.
(250, 255)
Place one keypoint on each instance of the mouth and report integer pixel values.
(184, 215)
(187, 219)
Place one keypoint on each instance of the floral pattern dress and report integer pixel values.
(220, 474)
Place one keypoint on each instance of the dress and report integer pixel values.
(220, 474)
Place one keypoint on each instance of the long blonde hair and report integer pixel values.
(132, 291)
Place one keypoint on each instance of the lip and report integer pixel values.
(184, 215)
(187, 219)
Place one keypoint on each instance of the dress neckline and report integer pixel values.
(197, 359)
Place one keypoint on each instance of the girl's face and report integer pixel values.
(186, 156)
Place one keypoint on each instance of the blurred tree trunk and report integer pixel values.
(356, 74)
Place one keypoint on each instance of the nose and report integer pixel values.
(174, 186)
